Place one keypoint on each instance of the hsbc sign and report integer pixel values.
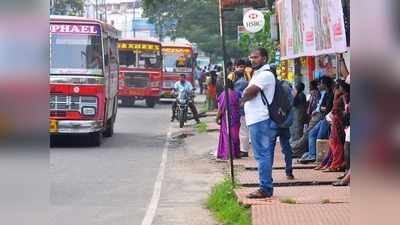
(253, 21)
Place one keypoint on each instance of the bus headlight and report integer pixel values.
(88, 111)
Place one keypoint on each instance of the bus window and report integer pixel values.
(177, 62)
(82, 53)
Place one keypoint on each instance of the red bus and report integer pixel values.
(140, 71)
(177, 59)
(83, 77)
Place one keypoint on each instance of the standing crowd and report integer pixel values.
(264, 108)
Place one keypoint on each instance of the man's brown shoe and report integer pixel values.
(258, 194)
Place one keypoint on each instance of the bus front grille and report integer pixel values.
(136, 80)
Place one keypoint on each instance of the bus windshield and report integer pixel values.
(177, 61)
(76, 54)
(144, 59)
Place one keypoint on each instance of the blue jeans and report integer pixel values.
(263, 139)
(320, 131)
(284, 138)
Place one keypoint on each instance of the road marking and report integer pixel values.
(152, 208)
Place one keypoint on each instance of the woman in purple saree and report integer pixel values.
(223, 146)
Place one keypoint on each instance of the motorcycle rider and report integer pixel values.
(181, 86)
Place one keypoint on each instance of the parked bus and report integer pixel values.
(83, 77)
(140, 74)
(177, 59)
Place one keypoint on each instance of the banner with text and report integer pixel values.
(310, 27)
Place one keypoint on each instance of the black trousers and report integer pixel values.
(300, 146)
(192, 108)
(201, 85)
(347, 155)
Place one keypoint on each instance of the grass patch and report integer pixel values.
(223, 204)
(288, 201)
(201, 127)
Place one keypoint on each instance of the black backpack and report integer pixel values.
(281, 105)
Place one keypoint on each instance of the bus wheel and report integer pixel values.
(96, 139)
(109, 132)
(132, 101)
(151, 102)
(53, 141)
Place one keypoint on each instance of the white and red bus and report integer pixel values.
(178, 58)
(83, 77)
(140, 74)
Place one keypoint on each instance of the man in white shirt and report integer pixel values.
(262, 131)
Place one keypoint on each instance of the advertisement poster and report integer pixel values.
(338, 26)
(323, 33)
(284, 11)
(311, 27)
(297, 27)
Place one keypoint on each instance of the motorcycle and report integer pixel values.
(183, 99)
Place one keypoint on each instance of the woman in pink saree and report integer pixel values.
(223, 146)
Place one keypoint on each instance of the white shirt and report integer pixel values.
(255, 110)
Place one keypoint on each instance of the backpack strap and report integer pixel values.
(264, 98)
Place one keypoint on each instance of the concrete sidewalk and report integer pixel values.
(309, 199)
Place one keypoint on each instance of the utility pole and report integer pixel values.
(96, 9)
(133, 21)
(228, 110)
(105, 10)
(51, 7)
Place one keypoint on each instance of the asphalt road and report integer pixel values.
(111, 184)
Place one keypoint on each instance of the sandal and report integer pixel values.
(325, 168)
(331, 170)
(340, 183)
(318, 167)
(341, 176)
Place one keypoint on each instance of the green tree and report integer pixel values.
(68, 7)
(163, 14)
(197, 21)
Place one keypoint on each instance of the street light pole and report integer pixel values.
(96, 9)
(105, 10)
(133, 21)
(227, 107)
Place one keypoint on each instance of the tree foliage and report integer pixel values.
(197, 21)
(260, 39)
(68, 7)
(163, 14)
